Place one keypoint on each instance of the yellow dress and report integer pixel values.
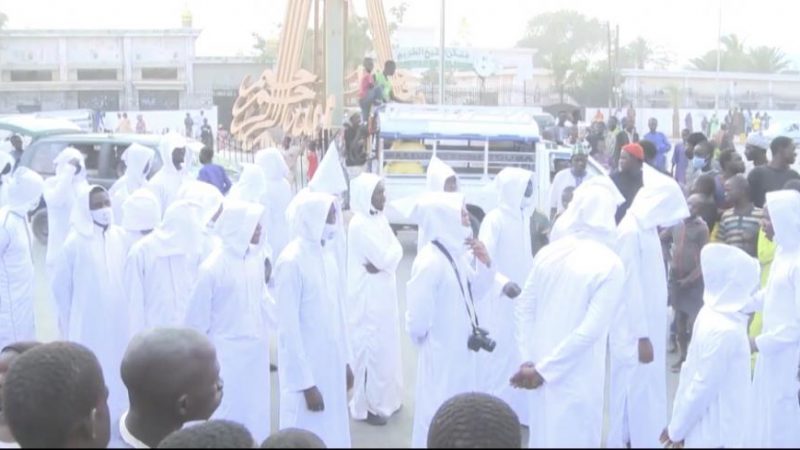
(766, 253)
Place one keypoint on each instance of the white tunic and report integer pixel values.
(59, 195)
(506, 233)
(372, 306)
(276, 198)
(168, 181)
(561, 181)
(437, 318)
(710, 408)
(230, 304)
(436, 176)
(775, 410)
(137, 158)
(312, 340)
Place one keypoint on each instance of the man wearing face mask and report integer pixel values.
(87, 287)
(313, 346)
(573, 177)
(506, 233)
(59, 194)
(161, 270)
(373, 256)
(16, 261)
(447, 277)
(230, 304)
(174, 173)
(138, 160)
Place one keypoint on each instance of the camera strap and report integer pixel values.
(473, 315)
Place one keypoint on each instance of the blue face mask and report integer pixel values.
(698, 163)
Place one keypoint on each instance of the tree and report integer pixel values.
(564, 40)
(735, 57)
(266, 49)
(640, 54)
(3, 20)
(766, 59)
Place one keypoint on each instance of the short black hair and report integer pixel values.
(793, 185)
(20, 347)
(15, 140)
(49, 390)
(389, 65)
(206, 155)
(475, 420)
(293, 438)
(696, 138)
(211, 434)
(650, 150)
(780, 143)
(726, 156)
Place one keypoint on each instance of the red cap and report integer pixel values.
(635, 150)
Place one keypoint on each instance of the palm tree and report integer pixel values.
(3, 20)
(766, 59)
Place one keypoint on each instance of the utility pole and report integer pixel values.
(441, 56)
(610, 71)
(335, 15)
(616, 67)
(719, 60)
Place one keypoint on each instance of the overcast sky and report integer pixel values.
(685, 28)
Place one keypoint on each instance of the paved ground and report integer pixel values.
(397, 433)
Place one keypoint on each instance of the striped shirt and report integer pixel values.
(741, 230)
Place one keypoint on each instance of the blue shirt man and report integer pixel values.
(662, 144)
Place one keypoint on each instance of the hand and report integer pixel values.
(511, 290)
(314, 400)
(527, 377)
(753, 346)
(350, 378)
(371, 268)
(479, 251)
(645, 351)
(667, 442)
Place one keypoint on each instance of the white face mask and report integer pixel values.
(103, 217)
(329, 232)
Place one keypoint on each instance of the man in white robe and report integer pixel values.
(373, 256)
(211, 206)
(506, 233)
(230, 304)
(16, 260)
(161, 270)
(563, 316)
(141, 214)
(138, 160)
(251, 185)
(59, 194)
(276, 198)
(313, 349)
(710, 408)
(174, 171)
(441, 316)
(87, 286)
(637, 342)
(439, 178)
(775, 413)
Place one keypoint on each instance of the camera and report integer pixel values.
(480, 340)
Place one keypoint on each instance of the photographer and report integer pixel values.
(448, 274)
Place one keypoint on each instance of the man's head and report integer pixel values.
(696, 204)
(737, 189)
(172, 374)
(100, 207)
(55, 397)
(783, 151)
(205, 121)
(368, 64)
(685, 135)
(16, 142)
(293, 438)
(650, 151)
(211, 434)
(206, 156)
(628, 124)
(756, 148)
(355, 119)
(578, 164)
(652, 124)
(475, 420)
(612, 123)
(631, 158)
(124, 115)
(7, 356)
(704, 185)
(187, 115)
(379, 196)
(178, 157)
(451, 184)
(389, 68)
(731, 162)
(692, 141)
(703, 153)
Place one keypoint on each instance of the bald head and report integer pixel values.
(174, 373)
(737, 190)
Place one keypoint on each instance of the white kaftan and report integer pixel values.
(59, 195)
(168, 181)
(276, 198)
(137, 160)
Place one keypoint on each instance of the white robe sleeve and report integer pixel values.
(133, 281)
(59, 191)
(593, 327)
(198, 313)
(787, 334)
(490, 236)
(292, 353)
(634, 293)
(366, 241)
(5, 241)
(525, 315)
(62, 287)
(699, 391)
(421, 291)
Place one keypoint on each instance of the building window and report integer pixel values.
(98, 100)
(160, 73)
(97, 74)
(31, 75)
(159, 100)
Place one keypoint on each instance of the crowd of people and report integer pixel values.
(168, 290)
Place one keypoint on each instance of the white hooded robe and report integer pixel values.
(276, 198)
(59, 194)
(437, 174)
(137, 159)
(141, 214)
(169, 180)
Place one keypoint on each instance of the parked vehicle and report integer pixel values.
(32, 128)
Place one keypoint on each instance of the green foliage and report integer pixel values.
(736, 57)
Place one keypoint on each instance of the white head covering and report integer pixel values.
(591, 212)
(660, 202)
(361, 190)
(251, 185)
(180, 232)
(438, 173)
(439, 213)
(207, 196)
(329, 177)
(272, 163)
(136, 158)
(24, 190)
(62, 162)
(308, 214)
(511, 184)
(237, 224)
(730, 276)
(784, 212)
(141, 211)
(81, 216)
(168, 143)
